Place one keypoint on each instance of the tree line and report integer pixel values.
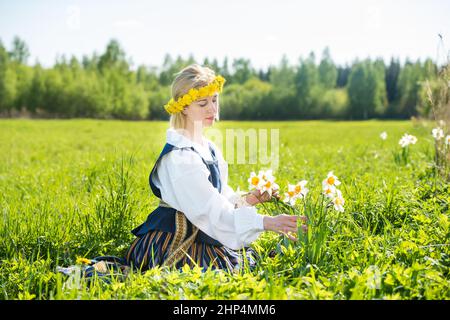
(107, 86)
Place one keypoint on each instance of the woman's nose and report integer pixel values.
(213, 106)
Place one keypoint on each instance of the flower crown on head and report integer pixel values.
(193, 94)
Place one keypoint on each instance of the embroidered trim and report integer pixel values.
(100, 267)
(175, 255)
(180, 231)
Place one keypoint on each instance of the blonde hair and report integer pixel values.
(193, 76)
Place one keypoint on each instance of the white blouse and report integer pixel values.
(182, 177)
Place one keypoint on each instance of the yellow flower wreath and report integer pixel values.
(193, 94)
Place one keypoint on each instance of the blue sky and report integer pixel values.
(256, 29)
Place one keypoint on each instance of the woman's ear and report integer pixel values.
(186, 108)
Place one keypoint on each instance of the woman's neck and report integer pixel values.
(194, 133)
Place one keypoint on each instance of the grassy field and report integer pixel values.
(75, 188)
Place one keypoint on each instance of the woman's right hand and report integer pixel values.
(284, 224)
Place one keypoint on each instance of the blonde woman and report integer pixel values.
(200, 220)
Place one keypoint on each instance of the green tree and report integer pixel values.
(36, 94)
(90, 63)
(342, 77)
(247, 101)
(282, 76)
(392, 73)
(410, 81)
(327, 71)
(307, 86)
(158, 97)
(242, 70)
(114, 57)
(19, 52)
(148, 77)
(225, 72)
(7, 83)
(24, 76)
(380, 97)
(366, 90)
(412, 97)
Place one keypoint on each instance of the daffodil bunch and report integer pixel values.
(264, 181)
(319, 222)
(329, 190)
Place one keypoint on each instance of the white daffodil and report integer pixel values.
(263, 182)
(269, 187)
(255, 181)
(437, 133)
(331, 180)
(329, 191)
(300, 188)
(406, 140)
(266, 175)
(275, 187)
(290, 196)
(447, 140)
(383, 135)
(338, 201)
(412, 139)
(268, 182)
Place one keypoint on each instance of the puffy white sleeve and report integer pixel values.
(235, 197)
(182, 178)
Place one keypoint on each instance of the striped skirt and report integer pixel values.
(152, 249)
(160, 248)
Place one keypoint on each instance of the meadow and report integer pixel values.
(76, 188)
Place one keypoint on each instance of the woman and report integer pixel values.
(200, 220)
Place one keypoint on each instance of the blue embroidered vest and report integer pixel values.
(163, 218)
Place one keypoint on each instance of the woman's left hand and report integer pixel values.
(255, 196)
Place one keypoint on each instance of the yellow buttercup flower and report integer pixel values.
(81, 260)
(193, 94)
(187, 99)
(203, 91)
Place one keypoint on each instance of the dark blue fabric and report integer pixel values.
(151, 250)
(163, 218)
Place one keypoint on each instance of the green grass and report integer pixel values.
(77, 187)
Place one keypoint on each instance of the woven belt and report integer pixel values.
(178, 247)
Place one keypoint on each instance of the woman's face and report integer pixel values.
(203, 110)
